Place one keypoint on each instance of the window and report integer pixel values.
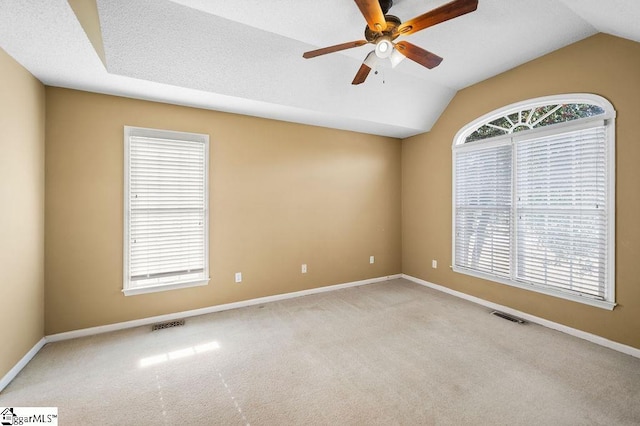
(166, 234)
(533, 197)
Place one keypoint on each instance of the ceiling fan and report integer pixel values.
(383, 29)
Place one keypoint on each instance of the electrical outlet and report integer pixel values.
(372, 259)
(434, 264)
(304, 268)
(238, 277)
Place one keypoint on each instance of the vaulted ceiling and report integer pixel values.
(245, 56)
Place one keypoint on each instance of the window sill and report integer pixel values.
(164, 287)
(603, 304)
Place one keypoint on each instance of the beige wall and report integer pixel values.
(281, 194)
(22, 211)
(601, 64)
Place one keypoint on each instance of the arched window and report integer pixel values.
(533, 197)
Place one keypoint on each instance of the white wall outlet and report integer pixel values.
(434, 264)
(238, 277)
(372, 259)
(304, 268)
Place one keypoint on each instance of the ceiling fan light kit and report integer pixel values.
(395, 58)
(383, 29)
(371, 60)
(384, 48)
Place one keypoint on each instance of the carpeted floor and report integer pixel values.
(387, 353)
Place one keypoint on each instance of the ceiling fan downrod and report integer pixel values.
(385, 5)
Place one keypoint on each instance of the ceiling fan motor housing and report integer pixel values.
(393, 22)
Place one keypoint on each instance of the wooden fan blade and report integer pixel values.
(418, 54)
(443, 13)
(361, 75)
(336, 48)
(373, 14)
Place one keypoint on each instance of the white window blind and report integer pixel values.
(535, 208)
(167, 218)
(483, 210)
(562, 211)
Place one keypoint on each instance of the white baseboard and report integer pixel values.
(21, 364)
(629, 350)
(218, 308)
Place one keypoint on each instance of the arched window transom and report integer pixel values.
(536, 114)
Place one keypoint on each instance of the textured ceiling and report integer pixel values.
(245, 56)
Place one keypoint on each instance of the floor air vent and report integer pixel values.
(168, 324)
(508, 317)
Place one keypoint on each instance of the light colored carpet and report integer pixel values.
(387, 353)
